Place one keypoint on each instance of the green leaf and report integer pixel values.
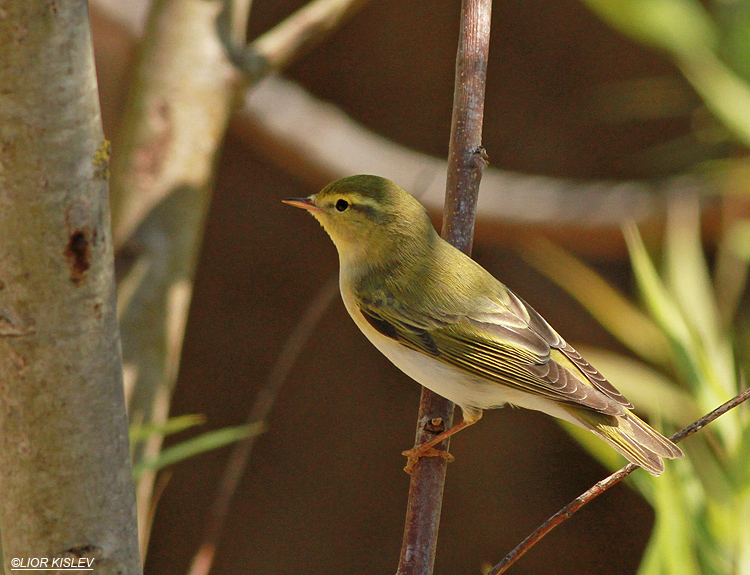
(692, 358)
(723, 92)
(686, 271)
(660, 303)
(201, 444)
(672, 545)
(733, 18)
(674, 25)
(686, 30)
(732, 259)
(689, 280)
(708, 466)
(172, 425)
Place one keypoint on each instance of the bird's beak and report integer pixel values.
(304, 203)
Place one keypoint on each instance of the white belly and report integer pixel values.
(466, 390)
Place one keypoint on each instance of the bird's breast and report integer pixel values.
(455, 384)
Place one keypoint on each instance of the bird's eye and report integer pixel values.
(342, 205)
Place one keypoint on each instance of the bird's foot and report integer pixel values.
(413, 455)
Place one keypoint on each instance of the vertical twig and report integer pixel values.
(466, 156)
(466, 161)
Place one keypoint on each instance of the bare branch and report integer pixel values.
(600, 487)
(465, 164)
(318, 142)
(290, 39)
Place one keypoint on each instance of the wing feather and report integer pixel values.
(504, 341)
(539, 325)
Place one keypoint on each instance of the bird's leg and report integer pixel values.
(427, 449)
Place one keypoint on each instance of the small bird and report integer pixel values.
(449, 324)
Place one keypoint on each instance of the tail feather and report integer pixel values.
(638, 442)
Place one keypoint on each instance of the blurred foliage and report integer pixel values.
(687, 366)
(709, 42)
(692, 337)
(195, 446)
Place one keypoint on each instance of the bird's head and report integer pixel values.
(368, 217)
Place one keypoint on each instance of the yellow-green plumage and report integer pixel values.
(449, 324)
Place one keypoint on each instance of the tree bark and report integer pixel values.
(65, 475)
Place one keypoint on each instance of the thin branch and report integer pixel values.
(272, 51)
(466, 160)
(599, 488)
(289, 39)
(238, 460)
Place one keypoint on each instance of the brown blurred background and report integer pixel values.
(324, 492)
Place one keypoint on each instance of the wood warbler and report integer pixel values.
(446, 322)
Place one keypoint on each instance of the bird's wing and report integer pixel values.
(502, 340)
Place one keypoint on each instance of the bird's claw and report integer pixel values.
(413, 455)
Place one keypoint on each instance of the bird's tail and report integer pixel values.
(638, 442)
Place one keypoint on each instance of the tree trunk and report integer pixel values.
(65, 475)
